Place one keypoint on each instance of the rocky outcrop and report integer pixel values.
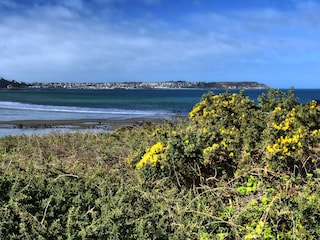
(6, 84)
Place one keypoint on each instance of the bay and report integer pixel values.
(59, 104)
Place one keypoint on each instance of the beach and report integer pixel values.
(20, 127)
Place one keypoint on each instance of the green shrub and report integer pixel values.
(227, 134)
(235, 169)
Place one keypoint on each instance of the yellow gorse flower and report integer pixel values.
(210, 149)
(315, 132)
(291, 136)
(277, 109)
(313, 104)
(289, 119)
(227, 131)
(204, 130)
(152, 156)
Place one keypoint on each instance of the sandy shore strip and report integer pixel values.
(106, 124)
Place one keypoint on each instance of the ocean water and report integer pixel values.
(59, 104)
(73, 104)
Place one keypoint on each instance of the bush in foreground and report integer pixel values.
(235, 169)
(228, 134)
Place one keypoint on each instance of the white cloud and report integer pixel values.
(55, 42)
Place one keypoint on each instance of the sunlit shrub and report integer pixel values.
(228, 134)
(291, 137)
(153, 156)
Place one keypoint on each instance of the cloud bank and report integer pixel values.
(118, 40)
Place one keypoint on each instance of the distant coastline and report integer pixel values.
(153, 85)
(7, 84)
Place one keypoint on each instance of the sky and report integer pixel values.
(275, 42)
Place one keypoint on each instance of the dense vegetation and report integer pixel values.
(235, 169)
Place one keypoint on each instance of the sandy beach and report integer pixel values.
(108, 124)
(43, 126)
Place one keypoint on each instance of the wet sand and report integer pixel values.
(79, 124)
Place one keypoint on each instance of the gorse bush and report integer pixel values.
(228, 133)
(235, 169)
(291, 139)
(210, 145)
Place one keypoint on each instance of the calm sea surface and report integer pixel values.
(54, 104)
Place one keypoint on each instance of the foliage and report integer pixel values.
(228, 134)
(235, 169)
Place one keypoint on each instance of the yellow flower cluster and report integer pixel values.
(195, 111)
(227, 131)
(291, 133)
(215, 97)
(152, 156)
(291, 141)
(204, 130)
(207, 151)
(289, 119)
(315, 132)
(243, 116)
(226, 103)
(313, 104)
(277, 109)
(284, 145)
(215, 107)
(207, 113)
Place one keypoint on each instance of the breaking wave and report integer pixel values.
(108, 112)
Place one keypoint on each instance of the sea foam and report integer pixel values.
(25, 111)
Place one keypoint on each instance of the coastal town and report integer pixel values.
(6, 84)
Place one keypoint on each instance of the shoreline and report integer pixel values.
(20, 127)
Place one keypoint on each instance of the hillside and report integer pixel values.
(6, 84)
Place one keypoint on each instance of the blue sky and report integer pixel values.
(276, 42)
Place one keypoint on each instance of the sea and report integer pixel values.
(73, 104)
